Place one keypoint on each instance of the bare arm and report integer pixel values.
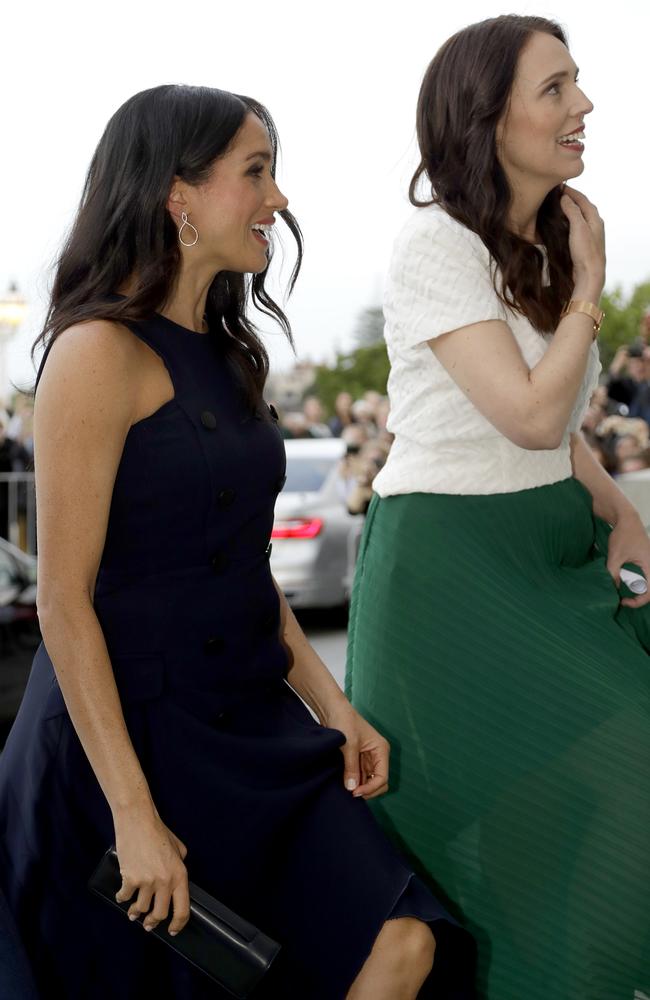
(307, 674)
(610, 502)
(84, 407)
(365, 752)
(532, 407)
(82, 414)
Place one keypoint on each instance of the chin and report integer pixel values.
(576, 170)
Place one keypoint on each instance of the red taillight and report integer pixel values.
(297, 527)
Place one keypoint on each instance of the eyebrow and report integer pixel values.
(265, 155)
(557, 76)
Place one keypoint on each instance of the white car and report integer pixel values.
(315, 539)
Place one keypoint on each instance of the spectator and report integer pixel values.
(640, 405)
(373, 399)
(350, 466)
(312, 409)
(363, 414)
(593, 418)
(294, 425)
(626, 447)
(602, 451)
(635, 462)
(624, 387)
(371, 459)
(342, 414)
(382, 413)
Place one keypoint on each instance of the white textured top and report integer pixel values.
(440, 279)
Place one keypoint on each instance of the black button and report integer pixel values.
(280, 484)
(220, 562)
(273, 412)
(269, 549)
(214, 645)
(222, 719)
(208, 420)
(226, 498)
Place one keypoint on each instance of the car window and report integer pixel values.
(307, 475)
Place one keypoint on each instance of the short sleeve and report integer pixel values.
(587, 389)
(439, 280)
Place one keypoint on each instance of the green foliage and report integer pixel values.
(356, 372)
(622, 319)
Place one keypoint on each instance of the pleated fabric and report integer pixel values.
(488, 643)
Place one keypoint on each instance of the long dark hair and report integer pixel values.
(464, 94)
(123, 226)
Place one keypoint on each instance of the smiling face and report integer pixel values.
(233, 210)
(540, 138)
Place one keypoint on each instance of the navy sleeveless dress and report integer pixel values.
(237, 767)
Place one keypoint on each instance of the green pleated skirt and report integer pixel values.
(488, 644)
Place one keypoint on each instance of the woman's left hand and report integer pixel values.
(629, 543)
(365, 753)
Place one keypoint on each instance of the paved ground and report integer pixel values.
(326, 630)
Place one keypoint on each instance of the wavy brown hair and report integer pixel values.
(464, 94)
(123, 227)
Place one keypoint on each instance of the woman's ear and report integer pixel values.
(176, 201)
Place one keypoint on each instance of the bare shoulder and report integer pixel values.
(92, 363)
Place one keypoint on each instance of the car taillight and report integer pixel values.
(297, 527)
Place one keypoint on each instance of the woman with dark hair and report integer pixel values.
(161, 711)
(491, 637)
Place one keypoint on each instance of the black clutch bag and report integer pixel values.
(215, 940)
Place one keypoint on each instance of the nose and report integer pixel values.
(277, 201)
(586, 107)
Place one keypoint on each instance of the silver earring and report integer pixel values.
(185, 222)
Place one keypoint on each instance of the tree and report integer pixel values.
(355, 372)
(622, 319)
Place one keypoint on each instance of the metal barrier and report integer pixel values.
(18, 510)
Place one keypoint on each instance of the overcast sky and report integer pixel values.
(341, 80)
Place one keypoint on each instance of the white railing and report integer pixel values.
(18, 509)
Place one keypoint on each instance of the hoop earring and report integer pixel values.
(185, 222)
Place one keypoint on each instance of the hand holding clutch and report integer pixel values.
(234, 953)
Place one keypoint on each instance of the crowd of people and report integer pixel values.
(617, 424)
(361, 424)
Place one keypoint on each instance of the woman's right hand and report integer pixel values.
(586, 244)
(151, 864)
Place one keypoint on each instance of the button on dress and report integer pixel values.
(237, 767)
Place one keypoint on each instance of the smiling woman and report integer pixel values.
(491, 631)
(163, 711)
(124, 238)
